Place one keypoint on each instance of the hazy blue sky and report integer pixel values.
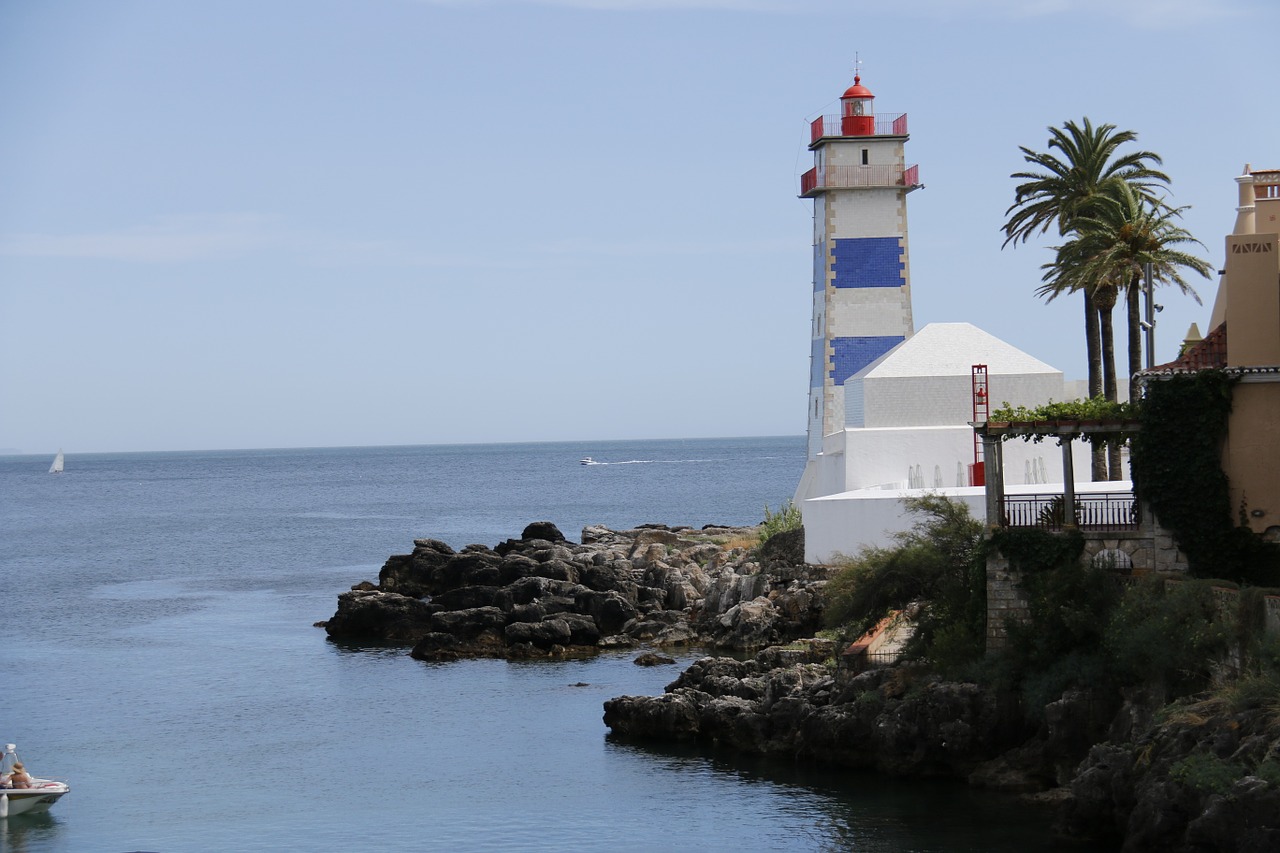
(276, 223)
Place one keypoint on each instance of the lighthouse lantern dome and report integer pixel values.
(856, 115)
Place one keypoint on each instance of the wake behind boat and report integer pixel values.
(21, 793)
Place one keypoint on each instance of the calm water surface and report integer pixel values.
(159, 653)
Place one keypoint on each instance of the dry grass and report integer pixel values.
(746, 543)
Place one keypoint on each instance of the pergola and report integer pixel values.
(993, 434)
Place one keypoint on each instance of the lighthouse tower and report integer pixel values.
(861, 276)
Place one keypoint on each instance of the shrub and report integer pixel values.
(1168, 633)
(940, 562)
(786, 518)
(1206, 773)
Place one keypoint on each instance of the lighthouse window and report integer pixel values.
(864, 156)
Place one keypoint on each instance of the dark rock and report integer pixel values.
(1245, 819)
(468, 624)
(668, 717)
(416, 574)
(468, 597)
(375, 615)
(543, 530)
(652, 659)
(555, 570)
(610, 610)
(543, 635)
(783, 549)
(469, 569)
(604, 578)
(582, 629)
(532, 611)
(514, 567)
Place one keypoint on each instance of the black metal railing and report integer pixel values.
(1109, 511)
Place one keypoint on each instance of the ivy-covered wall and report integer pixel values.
(1177, 470)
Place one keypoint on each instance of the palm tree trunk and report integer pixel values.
(1107, 330)
(1093, 348)
(1108, 354)
(1092, 344)
(1135, 335)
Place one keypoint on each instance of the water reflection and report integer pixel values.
(834, 808)
(27, 833)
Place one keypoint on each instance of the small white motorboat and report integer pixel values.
(38, 796)
(587, 460)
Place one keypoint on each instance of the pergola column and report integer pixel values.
(993, 473)
(1068, 483)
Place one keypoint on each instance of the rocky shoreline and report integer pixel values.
(542, 595)
(1136, 773)
(1125, 770)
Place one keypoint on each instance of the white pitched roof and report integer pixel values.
(951, 349)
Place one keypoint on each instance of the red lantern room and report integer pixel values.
(856, 115)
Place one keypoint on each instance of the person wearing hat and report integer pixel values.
(20, 778)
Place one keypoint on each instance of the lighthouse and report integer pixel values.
(861, 273)
(890, 407)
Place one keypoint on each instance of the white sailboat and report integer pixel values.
(56, 467)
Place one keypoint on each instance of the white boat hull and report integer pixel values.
(39, 798)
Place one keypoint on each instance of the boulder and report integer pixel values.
(377, 615)
(543, 530)
(653, 659)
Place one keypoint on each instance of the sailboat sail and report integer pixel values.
(56, 467)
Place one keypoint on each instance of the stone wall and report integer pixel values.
(1148, 549)
(1006, 600)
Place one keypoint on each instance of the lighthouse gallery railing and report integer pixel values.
(840, 177)
(886, 125)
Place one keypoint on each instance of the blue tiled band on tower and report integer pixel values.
(868, 262)
(853, 354)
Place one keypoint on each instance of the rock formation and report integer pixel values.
(1196, 777)
(543, 595)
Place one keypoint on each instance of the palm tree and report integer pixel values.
(1063, 275)
(1069, 185)
(1125, 233)
(1106, 254)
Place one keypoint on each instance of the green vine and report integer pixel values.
(1093, 410)
(1030, 549)
(1177, 469)
(1096, 409)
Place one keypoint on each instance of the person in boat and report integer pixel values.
(19, 778)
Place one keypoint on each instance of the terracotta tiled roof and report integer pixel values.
(1209, 353)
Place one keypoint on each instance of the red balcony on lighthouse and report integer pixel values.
(818, 180)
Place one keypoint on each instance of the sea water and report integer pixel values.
(157, 650)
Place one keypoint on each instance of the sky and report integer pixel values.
(301, 223)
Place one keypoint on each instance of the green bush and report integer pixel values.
(939, 563)
(1171, 633)
(1206, 773)
(1059, 646)
(786, 518)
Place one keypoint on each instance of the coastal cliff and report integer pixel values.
(1192, 776)
(542, 595)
